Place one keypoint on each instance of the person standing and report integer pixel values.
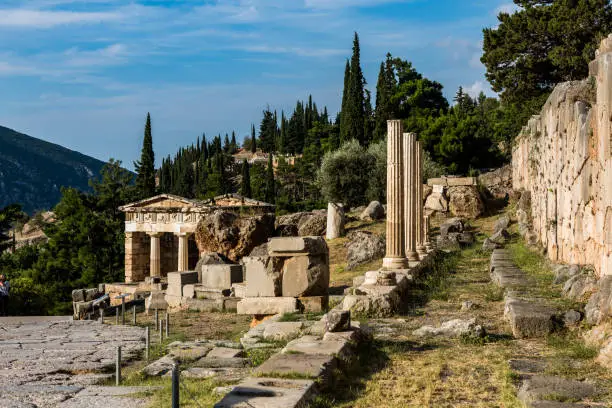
(5, 287)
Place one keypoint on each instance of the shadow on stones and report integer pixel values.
(371, 358)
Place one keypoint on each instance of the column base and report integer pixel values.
(413, 256)
(429, 247)
(395, 263)
(422, 251)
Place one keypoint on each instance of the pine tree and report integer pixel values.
(245, 186)
(145, 167)
(270, 190)
(253, 140)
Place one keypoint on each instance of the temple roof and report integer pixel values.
(170, 201)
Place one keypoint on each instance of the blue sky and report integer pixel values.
(84, 73)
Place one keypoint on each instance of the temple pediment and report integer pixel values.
(162, 201)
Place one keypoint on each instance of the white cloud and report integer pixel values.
(338, 4)
(302, 52)
(111, 55)
(475, 60)
(477, 87)
(508, 8)
(48, 18)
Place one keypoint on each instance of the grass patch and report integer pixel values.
(258, 356)
(571, 346)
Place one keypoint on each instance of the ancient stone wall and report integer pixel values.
(564, 158)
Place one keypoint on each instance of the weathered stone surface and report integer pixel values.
(295, 246)
(527, 366)
(282, 331)
(212, 258)
(308, 365)
(562, 156)
(571, 318)
(564, 272)
(224, 374)
(363, 247)
(268, 393)
(176, 281)
(465, 202)
(313, 345)
(315, 225)
(313, 304)
(188, 351)
(502, 223)
(204, 305)
(541, 387)
(452, 225)
(267, 305)
(221, 276)
(231, 235)
(263, 275)
(224, 352)
(216, 362)
(376, 306)
(436, 202)
(283, 230)
(599, 306)
(580, 286)
(338, 320)
(373, 212)
(498, 182)
(489, 245)
(306, 276)
(160, 367)
(335, 221)
(452, 328)
(530, 319)
(500, 237)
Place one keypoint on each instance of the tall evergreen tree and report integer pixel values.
(385, 89)
(352, 125)
(233, 143)
(245, 186)
(145, 167)
(253, 140)
(345, 101)
(270, 183)
(267, 132)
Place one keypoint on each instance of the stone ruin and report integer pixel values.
(562, 165)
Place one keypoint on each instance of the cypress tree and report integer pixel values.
(233, 144)
(226, 144)
(385, 88)
(345, 98)
(267, 131)
(253, 140)
(145, 167)
(245, 186)
(353, 122)
(270, 193)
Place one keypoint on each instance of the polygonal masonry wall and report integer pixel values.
(564, 158)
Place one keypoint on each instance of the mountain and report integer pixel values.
(32, 171)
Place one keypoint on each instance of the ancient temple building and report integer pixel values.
(159, 231)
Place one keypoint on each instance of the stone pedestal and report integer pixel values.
(183, 252)
(136, 256)
(426, 226)
(395, 257)
(420, 230)
(155, 255)
(410, 199)
(335, 221)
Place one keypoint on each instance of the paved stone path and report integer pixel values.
(54, 362)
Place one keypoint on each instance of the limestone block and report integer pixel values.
(338, 320)
(313, 304)
(282, 331)
(156, 300)
(221, 276)
(373, 212)
(311, 345)
(204, 292)
(189, 291)
(267, 305)
(335, 221)
(239, 290)
(438, 189)
(176, 281)
(308, 366)
(437, 182)
(269, 393)
(225, 352)
(461, 181)
(297, 246)
(306, 276)
(436, 202)
(203, 305)
(263, 276)
(529, 319)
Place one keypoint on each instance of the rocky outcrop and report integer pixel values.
(364, 247)
(498, 182)
(373, 212)
(465, 201)
(231, 235)
(308, 224)
(563, 158)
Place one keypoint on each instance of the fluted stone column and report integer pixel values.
(428, 245)
(410, 196)
(420, 240)
(183, 252)
(155, 256)
(395, 257)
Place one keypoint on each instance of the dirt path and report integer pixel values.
(402, 370)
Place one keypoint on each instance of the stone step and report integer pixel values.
(529, 319)
(269, 393)
(538, 390)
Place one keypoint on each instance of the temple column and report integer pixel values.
(410, 196)
(183, 252)
(420, 240)
(426, 226)
(155, 255)
(395, 257)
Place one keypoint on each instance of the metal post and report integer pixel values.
(167, 321)
(147, 342)
(117, 316)
(118, 367)
(102, 315)
(156, 319)
(161, 332)
(123, 310)
(175, 386)
(134, 315)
